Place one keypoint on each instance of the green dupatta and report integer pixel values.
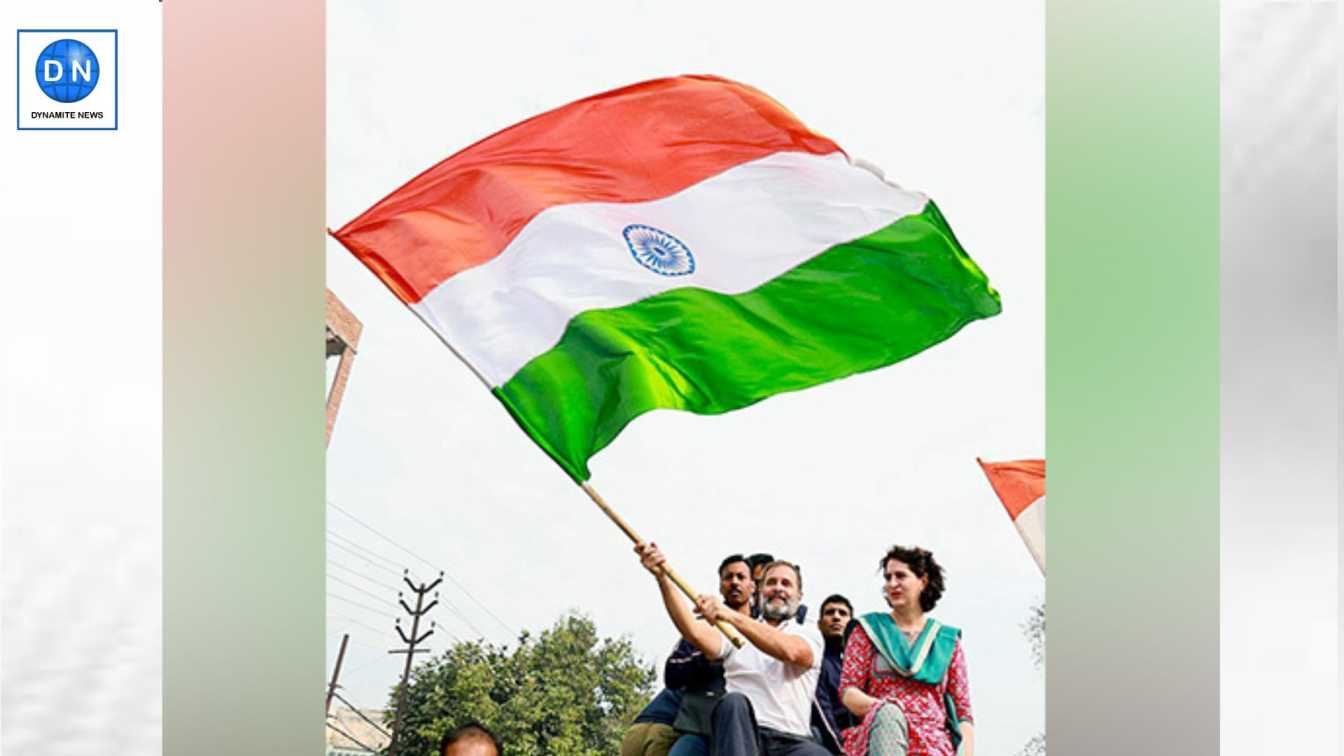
(927, 659)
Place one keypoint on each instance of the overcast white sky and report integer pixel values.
(947, 98)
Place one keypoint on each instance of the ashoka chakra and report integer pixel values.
(659, 251)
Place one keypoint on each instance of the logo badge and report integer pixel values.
(67, 70)
(659, 251)
(67, 79)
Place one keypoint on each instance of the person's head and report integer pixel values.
(836, 612)
(758, 563)
(781, 590)
(911, 578)
(735, 582)
(470, 739)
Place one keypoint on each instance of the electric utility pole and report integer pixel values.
(336, 673)
(412, 641)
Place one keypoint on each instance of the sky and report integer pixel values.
(426, 470)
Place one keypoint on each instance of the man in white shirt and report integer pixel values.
(771, 679)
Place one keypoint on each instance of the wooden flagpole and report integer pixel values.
(723, 627)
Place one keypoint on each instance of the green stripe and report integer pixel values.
(855, 307)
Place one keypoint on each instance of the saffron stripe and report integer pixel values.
(633, 144)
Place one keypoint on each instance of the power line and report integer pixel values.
(370, 562)
(360, 714)
(483, 607)
(382, 660)
(377, 657)
(348, 541)
(456, 611)
(360, 575)
(362, 606)
(376, 648)
(369, 646)
(462, 616)
(351, 738)
(371, 529)
(366, 627)
(460, 587)
(361, 590)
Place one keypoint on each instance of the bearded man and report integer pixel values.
(771, 679)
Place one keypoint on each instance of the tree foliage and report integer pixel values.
(1034, 629)
(565, 692)
(1034, 747)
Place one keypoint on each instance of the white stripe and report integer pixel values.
(744, 227)
(1030, 524)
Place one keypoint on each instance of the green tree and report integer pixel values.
(566, 692)
(1034, 630)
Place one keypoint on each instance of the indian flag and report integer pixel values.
(1020, 486)
(684, 243)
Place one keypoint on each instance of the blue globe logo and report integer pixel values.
(67, 70)
(659, 251)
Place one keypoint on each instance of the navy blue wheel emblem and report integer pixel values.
(659, 251)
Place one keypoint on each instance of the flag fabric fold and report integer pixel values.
(1021, 487)
(683, 243)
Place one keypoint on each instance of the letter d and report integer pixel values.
(46, 70)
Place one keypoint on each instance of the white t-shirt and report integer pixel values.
(780, 693)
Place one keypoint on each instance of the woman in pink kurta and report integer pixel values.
(919, 668)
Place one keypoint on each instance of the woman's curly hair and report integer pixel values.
(921, 562)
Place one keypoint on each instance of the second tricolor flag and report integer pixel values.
(1020, 486)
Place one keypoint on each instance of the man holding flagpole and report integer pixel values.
(718, 253)
(771, 679)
